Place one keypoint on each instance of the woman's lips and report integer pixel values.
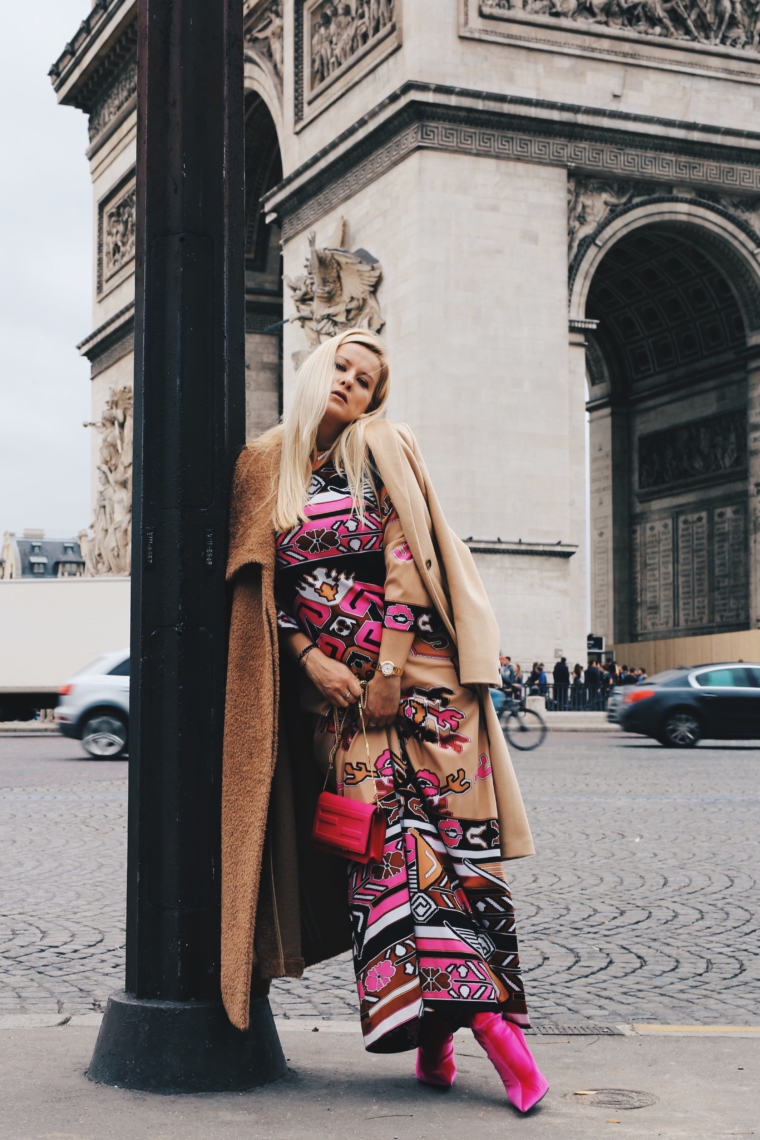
(341, 396)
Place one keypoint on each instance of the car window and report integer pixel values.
(120, 670)
(754, 676)
(669, 675)
(736, 678)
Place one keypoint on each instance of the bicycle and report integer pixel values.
(524, 728)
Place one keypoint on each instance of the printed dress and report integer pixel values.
(433, 923)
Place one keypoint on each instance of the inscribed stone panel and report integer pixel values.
(657, 559)
(693, 581)
(636, 600)
(730, 564)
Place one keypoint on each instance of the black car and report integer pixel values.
(682, 706)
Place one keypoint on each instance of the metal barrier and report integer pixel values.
(567, 698)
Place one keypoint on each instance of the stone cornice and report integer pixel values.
(612, 145)
(102, 43)
(534, 549)
(114, 328)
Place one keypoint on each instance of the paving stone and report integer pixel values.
(641, 905)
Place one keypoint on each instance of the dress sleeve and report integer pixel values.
(408, 607)
(286, 621)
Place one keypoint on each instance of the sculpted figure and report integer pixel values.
(336, 292)
(341, 30)
(589, 203)
(108, 545)
(269, 31)
(733, 23)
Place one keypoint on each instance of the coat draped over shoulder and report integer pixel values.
(284, 906)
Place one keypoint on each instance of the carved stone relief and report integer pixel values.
(693, 450)
(338, 31)
(115, 97)
(591, 201)
(337, 291)
(732, 23)
(265, 35)
(117, 234)
(107, 545)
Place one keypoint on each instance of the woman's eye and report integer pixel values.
(363, 382)
(339, 367)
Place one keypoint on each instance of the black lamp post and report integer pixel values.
(168, 1030)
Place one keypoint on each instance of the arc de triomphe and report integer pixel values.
(551, 209)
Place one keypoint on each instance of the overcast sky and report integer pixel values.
(45, 277)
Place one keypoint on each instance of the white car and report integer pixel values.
(94, 706)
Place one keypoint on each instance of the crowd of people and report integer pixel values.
(587, 687)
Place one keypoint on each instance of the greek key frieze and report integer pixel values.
(609, 163)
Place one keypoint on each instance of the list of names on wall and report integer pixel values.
(701, 580)
(693, 579)
(658, 575)
(730, 564)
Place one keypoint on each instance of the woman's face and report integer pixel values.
(357, 371)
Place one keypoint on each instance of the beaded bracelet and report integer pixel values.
(302, 654)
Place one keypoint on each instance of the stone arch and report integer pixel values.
(729, 242)
(263, 254)
(667, 294)
(260, 78)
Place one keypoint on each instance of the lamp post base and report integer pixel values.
(176, 1047)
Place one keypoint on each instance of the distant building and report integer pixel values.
(34, 556)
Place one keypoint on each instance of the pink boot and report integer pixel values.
(508, 1052)
(435, 1056)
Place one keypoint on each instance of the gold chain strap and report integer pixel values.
(340, 722)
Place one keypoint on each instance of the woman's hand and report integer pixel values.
(334, 680)
(383, 697)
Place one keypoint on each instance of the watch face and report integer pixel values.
(386, 668)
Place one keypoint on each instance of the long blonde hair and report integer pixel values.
(298, 430)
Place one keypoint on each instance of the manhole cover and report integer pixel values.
(615, 1098)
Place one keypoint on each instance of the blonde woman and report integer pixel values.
(345, 575)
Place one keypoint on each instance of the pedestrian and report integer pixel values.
(543, 684)
(578, 689)
(518, 682)
(593, 679)
(533, 680)
(506, 669)
(628, 677)
(380, 689)
(561, 675)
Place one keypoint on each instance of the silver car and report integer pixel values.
(94, 706)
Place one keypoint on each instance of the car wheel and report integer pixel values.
(104, 736)
(681, 730)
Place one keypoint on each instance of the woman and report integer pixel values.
(340, 552)
(518, 683)
(578, 695)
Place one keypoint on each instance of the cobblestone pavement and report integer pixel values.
(641, 905)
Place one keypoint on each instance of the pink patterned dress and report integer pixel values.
(433, 923)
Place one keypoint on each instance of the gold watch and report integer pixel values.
(388, 669)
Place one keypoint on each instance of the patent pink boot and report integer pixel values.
(435, 1056)
(509, 1054)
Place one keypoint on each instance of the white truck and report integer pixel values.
(50, 630)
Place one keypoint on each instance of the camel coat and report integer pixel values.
(284, 906)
